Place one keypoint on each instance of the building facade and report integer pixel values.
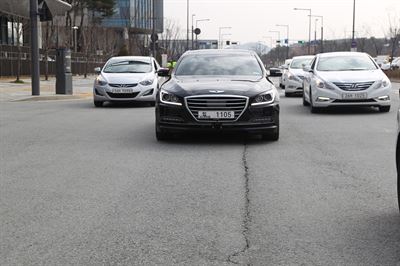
(138, 16)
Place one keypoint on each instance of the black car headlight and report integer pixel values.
(267, 97)
(169, 98)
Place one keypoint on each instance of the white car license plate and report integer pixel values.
(355, 96)
(216, 115)
(121, 90)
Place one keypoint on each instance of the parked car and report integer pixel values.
(395, 63)
(218, 90)
(295, 75)
(346, 79)
(126, 79)
(398, 156)
(283, 78)
(275, 72)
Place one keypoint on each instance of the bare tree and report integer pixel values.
(393, 35)
(169, 39)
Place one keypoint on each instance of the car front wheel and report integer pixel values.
(98, 103)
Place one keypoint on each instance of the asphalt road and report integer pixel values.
(87, 186)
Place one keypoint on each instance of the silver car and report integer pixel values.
(398, 156)
(126, 79)
(346, 79)
(295, 74)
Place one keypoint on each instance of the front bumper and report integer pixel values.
(375, 97)
(254, 120)
(294, 86)
(138, 94)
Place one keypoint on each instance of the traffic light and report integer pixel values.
(228, 42)
(301, 42)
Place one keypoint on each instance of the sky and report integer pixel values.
(252, 20)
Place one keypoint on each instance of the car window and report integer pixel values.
(219, 65)
(299, 62)
(128, 66)
(345, 63)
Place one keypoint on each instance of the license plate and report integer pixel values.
(354, 96)
(216, 115)
(121, 91)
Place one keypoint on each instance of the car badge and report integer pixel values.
(354, 86)
(122, 85)
(216, 91)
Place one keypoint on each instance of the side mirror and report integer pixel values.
(308, 69)
(163, 72)
(97, 70)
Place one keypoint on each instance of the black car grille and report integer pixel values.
(354, 86)
(123, 85)
(217, 103)
(122, 95)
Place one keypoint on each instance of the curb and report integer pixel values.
(53, 98)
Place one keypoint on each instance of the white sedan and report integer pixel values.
(346, 79)
(126, 79)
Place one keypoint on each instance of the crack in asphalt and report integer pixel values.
(246, 213)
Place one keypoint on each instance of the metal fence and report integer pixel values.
(9, 62)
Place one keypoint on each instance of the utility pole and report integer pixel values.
(154, 29)
(33, 12)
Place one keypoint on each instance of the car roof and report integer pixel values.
(220, 52)
(130, 58)
(303, 57)
(332, 54)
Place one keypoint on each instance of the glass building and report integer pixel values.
(137, 15)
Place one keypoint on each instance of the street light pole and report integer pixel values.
(187, 24)
(315, 36)
(353, 45)
(309, 27)
(287, 36)
(33, 12)
(193, 15)
(219, 36)
(279, 34)
(322, 31)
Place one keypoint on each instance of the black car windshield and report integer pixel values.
(219, 65)
(300, 62)
(128, 66)
(345, 63)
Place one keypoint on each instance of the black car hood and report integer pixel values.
(237, 85)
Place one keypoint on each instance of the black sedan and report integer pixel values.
(218, 90)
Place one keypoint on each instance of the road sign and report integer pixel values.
(353, 44)
(197, 31)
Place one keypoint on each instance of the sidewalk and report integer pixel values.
(11, 92)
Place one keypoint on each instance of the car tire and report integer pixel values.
(305, 103)
(398, 170)
(98, 103)
(272, 136)
(384, 109)
(287, 94)
(313, 109)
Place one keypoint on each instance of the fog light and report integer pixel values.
(384, 98)
(148, 93)
(323, 99)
